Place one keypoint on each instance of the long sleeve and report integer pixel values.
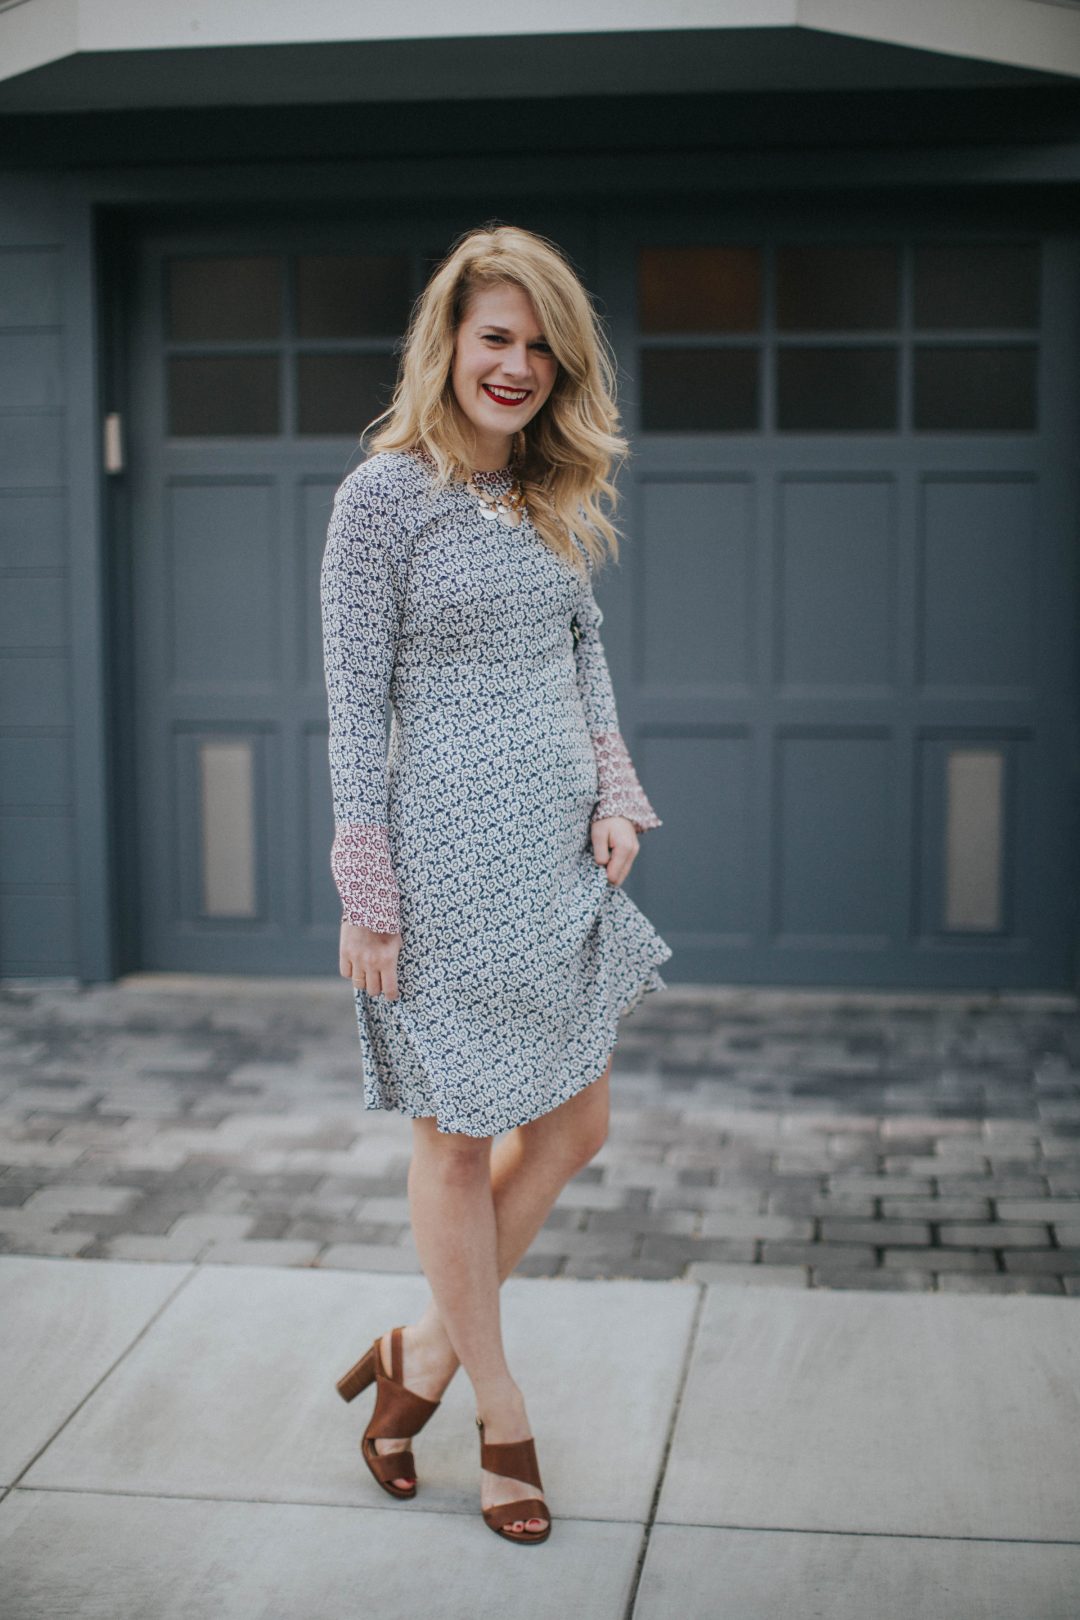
(360, 624)
(621, 794)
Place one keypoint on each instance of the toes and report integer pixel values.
(535, 1525)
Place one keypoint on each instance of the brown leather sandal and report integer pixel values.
(514, 1459)
(398, 1411)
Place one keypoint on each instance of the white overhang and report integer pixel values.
(78, 55)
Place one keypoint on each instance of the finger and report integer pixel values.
(390, 984)
(622, 861)
(601, 843)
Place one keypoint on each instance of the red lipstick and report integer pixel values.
(512, 403)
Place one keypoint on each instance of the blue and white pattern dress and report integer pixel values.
(470, 835)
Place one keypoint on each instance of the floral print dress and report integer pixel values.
(470, 833)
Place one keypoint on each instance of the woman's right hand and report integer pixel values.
(369, 959)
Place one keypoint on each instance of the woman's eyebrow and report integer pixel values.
(489, 326)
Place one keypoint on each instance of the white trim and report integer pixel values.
(1020, 33)
(1042, 35)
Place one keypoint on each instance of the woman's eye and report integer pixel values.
(498, 337)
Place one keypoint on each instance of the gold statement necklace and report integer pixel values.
(507, 507)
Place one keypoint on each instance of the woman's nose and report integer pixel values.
(516, 362)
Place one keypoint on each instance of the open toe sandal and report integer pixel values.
(398, 1412)
(514, 1459)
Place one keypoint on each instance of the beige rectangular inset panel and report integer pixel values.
(227, 803)
(974, 822)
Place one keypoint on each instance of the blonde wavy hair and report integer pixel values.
(568, 455)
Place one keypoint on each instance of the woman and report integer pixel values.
(480, 862)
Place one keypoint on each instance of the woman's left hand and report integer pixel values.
(615, 845)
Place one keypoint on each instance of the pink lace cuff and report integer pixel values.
(364, 875)
(621, 794)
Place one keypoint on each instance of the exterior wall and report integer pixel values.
(58, 905)
(38, 934)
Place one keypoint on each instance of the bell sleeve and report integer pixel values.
(360, 625)
(621, 794)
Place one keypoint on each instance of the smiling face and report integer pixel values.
(503, 370)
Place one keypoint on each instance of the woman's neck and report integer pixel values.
(492, 456)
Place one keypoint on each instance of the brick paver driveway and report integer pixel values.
(836, 1140)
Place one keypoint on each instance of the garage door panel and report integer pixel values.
(699, 881)
(699, 583)
(978, 582)
(221, 561)
(835, 573)
(834, 836)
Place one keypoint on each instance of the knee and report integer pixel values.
(459, 1161)
(587, 1121)
(564, 1141)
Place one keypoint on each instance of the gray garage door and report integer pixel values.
(853, 595)
(259, 354)
(841, 629)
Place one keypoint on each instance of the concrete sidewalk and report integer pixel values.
(172, 1448)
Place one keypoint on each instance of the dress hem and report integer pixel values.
(652, 982)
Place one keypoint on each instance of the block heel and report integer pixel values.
(398, 1412)
(357, 1379)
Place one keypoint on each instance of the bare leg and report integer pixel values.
(529, 1168)
(453, 1215)
(525, 1173)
